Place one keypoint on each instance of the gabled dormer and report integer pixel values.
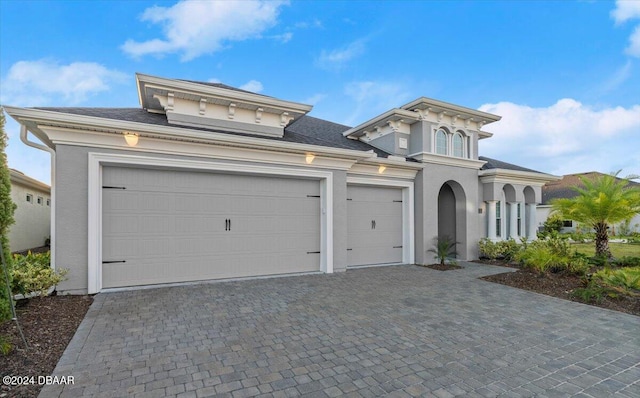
(446, 130)
(428, 130)
(216, 106)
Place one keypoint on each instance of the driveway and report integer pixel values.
(397, 331)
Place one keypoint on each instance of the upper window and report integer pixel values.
(40, 200)
(441, 142)
(29, 198)
(48, 202)
(458, 146)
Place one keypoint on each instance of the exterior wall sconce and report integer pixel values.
(131, 138)
(309, 158)
(381, 169)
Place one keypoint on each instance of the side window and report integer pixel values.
(40, 200)
(29, 198)
(48, 202)
(498, 219)
(441, 142)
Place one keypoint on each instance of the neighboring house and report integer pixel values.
(206, 181)
(32, 226)
(564, 189)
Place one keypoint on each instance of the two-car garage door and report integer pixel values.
(162, 226)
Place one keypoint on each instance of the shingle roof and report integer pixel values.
(305, 130)
(221, 85)
(497, 164)
(563, 189)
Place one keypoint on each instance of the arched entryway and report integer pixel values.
(452, 217)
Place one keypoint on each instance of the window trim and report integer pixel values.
(457, 135)
(444, 134)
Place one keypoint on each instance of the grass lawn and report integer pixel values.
(617, 249)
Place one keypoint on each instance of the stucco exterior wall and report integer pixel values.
(428, 184)
(32, 219)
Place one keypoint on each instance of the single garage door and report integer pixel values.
(374, 225)
(163, 226)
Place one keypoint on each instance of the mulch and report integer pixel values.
(48, 324)
(561, 286)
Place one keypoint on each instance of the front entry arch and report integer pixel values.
(452, 215)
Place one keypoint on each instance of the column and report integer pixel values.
(513, 220)
(491, 219)
(532, 224)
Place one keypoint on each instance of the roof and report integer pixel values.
(563, 189)
(221, 85)
(305, 130)
(18, 177)
(497, 164)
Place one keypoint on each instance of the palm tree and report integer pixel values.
(443, 247)
(601, 201)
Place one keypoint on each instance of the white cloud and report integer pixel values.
(626, 10)
(314, 99)
(194, 28)
(214, 80)
(283, 38)
(634, 43)
(617, 78)
(565, 137)
(31, 83)
(252, 85)
(339, 57)
(373, 98)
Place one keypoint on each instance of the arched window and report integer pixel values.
(441, 142)
(458, 146)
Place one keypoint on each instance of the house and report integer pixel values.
(206, 181)
(564, 189)
(32, 216)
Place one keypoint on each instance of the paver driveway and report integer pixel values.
(397, 331)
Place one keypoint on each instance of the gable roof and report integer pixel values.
(563, 189)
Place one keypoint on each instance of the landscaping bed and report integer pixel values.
(562, 286)
(48, 324)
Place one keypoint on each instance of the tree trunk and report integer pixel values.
(602, 241)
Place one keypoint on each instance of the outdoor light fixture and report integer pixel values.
(309, 158)
(131, 138)
(381, 169)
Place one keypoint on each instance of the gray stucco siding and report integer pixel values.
(428, 184)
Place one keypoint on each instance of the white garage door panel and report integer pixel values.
(169, 226)
(374, 225)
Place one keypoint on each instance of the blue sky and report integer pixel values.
(564, 75)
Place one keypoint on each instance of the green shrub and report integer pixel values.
(627, 261)
(443, 247)
(552, 255)
(591, 293)
(538, 258)
(623, 280)
(5, 346)
(553, 223)
(489, 249)
(506, 249)
(32, 273)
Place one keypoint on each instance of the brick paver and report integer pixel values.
(401, 331)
